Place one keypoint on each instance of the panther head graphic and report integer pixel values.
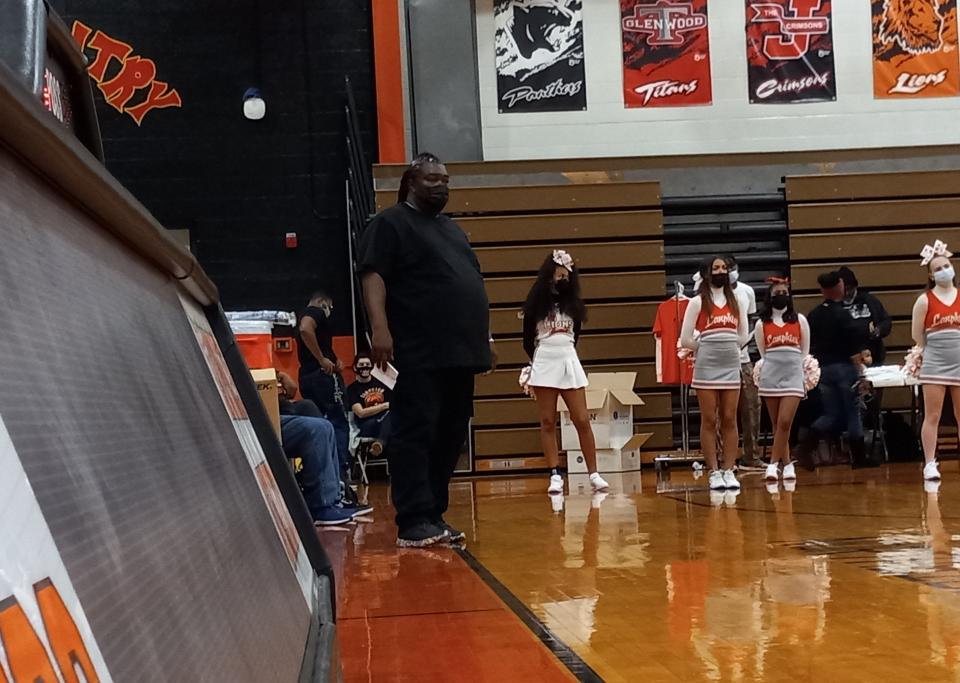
(916, 25)
(535, 25)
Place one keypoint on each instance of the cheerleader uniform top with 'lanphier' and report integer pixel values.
(782, 346)
(941, 353)
(717, 363)
(551, 344)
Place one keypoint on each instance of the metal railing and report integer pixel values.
(360, 204)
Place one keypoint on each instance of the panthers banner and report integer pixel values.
(915, 48)
(539, 54)
(790, 51)
(666, 53)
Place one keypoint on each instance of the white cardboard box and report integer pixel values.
(626, 459)
(610, 402)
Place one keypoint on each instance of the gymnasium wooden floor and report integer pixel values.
(854, 576)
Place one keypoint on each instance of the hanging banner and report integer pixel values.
(790, 51)
(539, 54)
(666, 53)
(915, 48)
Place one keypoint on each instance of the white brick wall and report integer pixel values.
(730, 124)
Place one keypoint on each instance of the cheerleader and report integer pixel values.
(552, 317)
(783, 339)
(715, 327)
(936, 329)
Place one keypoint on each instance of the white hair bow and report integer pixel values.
(697, 280)
(562, 258)
(928, 253)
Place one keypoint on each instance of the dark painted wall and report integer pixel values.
(240, 185)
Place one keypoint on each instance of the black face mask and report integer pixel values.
(720, 279)
(780, 301)
(562, 286)
(433, 200)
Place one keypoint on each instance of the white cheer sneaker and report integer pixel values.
(556, 484)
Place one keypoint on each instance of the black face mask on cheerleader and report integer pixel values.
(720, 279)
(562, 286)
(780, 301)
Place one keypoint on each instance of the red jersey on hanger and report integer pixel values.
(666, 329)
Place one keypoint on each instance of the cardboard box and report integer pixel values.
(625, 459)
(610, 402)
(266, 381)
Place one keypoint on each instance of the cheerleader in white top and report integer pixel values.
(552, 317)
(783, 339)
(936, 330)
(715, 327)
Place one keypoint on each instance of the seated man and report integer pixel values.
(369, 399)
(311, 438)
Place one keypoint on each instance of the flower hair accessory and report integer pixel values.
(562, 258)
(928, 253)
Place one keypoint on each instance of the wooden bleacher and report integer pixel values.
(876, 223)
(615, 232)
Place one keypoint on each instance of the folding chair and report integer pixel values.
(360, 450)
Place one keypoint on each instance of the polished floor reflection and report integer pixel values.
(852, 576)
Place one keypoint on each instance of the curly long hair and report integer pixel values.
(542, 298)
(706, 270)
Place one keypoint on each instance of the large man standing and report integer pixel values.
(429, 314)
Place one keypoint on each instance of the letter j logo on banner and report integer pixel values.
(790, 51)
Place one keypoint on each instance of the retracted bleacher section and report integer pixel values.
(876, 223)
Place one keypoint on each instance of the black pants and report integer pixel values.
(430, 412)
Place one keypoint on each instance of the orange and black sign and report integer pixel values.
(128, 81)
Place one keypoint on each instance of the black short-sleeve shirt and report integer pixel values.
(437, 305)
(367, 394)
(308, 362)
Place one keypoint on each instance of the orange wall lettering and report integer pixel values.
(122, 75)
(26, 654)
(63, 634)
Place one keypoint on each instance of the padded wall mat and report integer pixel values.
(131, 454)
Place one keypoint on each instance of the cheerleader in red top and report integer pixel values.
(715, 327)
(936, 329)
(783, 339)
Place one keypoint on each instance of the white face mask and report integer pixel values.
(944, 277)
(734, 276)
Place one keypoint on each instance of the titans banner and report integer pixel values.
(790, 51)
(915, 49)
(539, 52)
(666, 53)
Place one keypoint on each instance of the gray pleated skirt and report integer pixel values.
(717, 365)
(941, 359)
(782, 373)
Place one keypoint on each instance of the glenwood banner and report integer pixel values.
(790, 51)
(915, 48)
(666, 53)
(539, 55)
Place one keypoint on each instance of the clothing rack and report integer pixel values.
(663, 462)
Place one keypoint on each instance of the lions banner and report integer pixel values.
(915, 48)
(539, 55)
(666, 53)
(790, 51)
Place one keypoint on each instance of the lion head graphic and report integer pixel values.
(916, 25)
